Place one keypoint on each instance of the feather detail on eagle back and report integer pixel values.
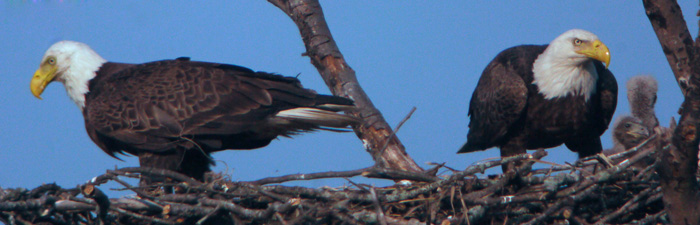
(153, 106)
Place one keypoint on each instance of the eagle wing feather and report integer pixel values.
(496, 104)
(607, 94)
(153, 106)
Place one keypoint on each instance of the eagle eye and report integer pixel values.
(627, 125)
(52, 61)
(577, 41)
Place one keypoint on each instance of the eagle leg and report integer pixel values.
(191, 162)
(514, 146)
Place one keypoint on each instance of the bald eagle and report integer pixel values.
(542, 96)
(173, 114)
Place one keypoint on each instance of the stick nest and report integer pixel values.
(618, 189)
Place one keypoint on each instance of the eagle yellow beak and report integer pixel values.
(596, 50)
(42, 77)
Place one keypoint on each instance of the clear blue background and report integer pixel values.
(427, 54)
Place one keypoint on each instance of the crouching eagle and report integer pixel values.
(173, 113)
(542, 96)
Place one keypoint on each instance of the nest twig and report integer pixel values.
(581, 195)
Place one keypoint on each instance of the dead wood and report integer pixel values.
(374, 132)
(618, 194)
(679, 163)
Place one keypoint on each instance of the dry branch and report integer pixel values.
(608, 195)
(679, 164)
(325, 55)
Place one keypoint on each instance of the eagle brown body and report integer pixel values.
(509, 110)
(173, 113)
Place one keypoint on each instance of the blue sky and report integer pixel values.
(425, 54)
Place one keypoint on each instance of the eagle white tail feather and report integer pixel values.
(336, 107)
(319, 117)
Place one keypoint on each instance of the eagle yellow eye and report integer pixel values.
(577, 42)
(52, 61)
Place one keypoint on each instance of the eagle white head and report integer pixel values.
(566, 66)
(72, 63)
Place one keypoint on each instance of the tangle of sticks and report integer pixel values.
(586, 192)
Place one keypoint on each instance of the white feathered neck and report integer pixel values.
(77, 65)
(559, 71)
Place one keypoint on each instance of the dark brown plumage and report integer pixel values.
(514, 111)
(173, 113)
(166, 110)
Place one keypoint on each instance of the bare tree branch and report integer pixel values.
(679, 164)
(372, 172)
(374, 131)
(667, 20)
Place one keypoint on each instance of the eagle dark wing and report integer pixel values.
(158, 106)
(497, 102)
(606, 92)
